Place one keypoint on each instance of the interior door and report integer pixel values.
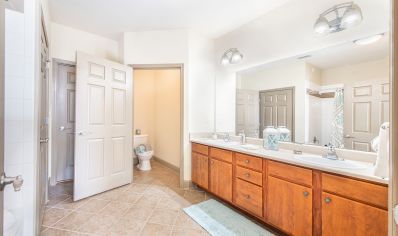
(247, 112)
(276, 109)
(65, 121)
(366, 107)
(103, 141)
(43, 158)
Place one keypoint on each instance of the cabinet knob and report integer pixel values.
(247, 161)
(247, 196)
(211, 162)
(306, 193)
(247, 174)
(328, 200)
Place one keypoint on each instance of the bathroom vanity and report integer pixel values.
(293, 196)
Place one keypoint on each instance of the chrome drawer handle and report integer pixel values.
(247, 196)
(328, 200)
(247, 174)
(305, 193)
(247, 161)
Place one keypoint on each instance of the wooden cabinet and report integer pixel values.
(221, 179)
(289, 207)
(342, 216)
(294, 199)
(200, 170)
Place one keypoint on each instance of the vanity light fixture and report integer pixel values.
(231, 56)
(369, 40)
(337, 18)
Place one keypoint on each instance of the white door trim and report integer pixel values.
(53, 108)
(183, 135)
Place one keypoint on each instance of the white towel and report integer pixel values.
(382, 163)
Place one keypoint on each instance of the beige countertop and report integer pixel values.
(287, 156)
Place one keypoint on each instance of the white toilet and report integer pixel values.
(143, 152)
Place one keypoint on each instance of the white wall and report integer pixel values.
(291, 73)
(195, 53)
(167, 116)
(371, 70)
(65, 41)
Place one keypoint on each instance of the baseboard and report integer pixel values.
(171, 166)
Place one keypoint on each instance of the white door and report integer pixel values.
(247, 112)
(65, 121)
(366, 107)
(103, 141)
(276, 109)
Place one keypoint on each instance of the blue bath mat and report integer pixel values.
(220, 220)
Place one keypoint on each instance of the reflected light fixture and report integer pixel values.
(369, 40)
(231, 56)
(337, 18)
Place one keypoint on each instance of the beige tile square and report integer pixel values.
(137, 188)
(155, 190)
(54, 199)
(194, 196)
(73, 221)
(148, 200)
(172, 203)
(156, 230)
(58, 232)
(138, 212)
(186, 222)
(126, 226)
(129, 197)
(94, 206)
(98, 224)
(110, 195)
(52, 215)
(190, 232)
(116, 208)
(163, 216)
(70, 204)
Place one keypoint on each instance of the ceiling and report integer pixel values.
(110, 18)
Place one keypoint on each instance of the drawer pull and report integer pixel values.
(247, 161)
(212, 162)
(247, 196)
(328, 200)
(247, 174)
(305, 193)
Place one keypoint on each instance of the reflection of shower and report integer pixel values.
(336, 137)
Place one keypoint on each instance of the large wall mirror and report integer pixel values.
(336, 96)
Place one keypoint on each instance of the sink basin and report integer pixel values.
(222, 142)
(339, 164)
(250, 147)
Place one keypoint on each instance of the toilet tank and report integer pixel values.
(139, 139)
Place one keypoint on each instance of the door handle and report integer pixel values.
(45, 140)
(15, 181)
(81, 133)
(348, 136)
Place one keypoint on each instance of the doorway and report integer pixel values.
(158, 113)
(64, 81)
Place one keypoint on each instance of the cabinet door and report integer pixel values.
(221, 179)
(289, 207)
(341, 216)
(200, 172)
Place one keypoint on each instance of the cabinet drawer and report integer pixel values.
(291, 173)
(374, 194)
(249, 197)
(199, 148)
(254, 163)
(249, 175)
(221, 154)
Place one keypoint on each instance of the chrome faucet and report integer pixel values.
(331, 154)
(227, 138)
(242, 137)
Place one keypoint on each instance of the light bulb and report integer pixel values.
(352, 16)
(322, 26)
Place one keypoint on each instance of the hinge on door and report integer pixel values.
(395, 213)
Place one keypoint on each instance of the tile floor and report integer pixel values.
(151, 205)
